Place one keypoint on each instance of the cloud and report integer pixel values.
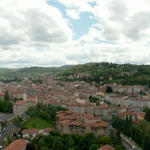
(35, 33)
(73, 13)
(36, 21)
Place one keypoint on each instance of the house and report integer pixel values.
(106, 147)
(27, 133)
(21, 106)
(18, 93)
(19, 144)
(46, 131)
(129, 90)
(1, 95)
(103, 111)
(4, 118)
(69, 122)
(32, 133)
(135, 116)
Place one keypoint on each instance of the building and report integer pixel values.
(32, 133)
(18, 93)
(19, 144)
(135, 116)
(21, 106)
(106, 147)
(78, 123)
(4, 118)
(1, 95)
(129, 90)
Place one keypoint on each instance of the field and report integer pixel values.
(37, 123)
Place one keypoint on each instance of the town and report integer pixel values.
(85, 109)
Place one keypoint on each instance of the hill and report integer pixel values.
(31, 71)
(126, 74)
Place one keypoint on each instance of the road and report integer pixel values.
(128, 143)
(5, 132)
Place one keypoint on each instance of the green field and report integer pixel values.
(37, 123)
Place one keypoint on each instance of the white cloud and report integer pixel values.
(35, 33)
(73, 13)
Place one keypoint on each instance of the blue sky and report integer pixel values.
(79, 26)
(61, 32)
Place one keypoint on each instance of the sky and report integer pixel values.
(62, 32)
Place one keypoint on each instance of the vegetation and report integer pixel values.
(56, 141)
(139, 133)
(147, 115)
(17, 99)
(37, 123)
(5, 106)
(37, 81)
(16, 75)
(93, 99)
(18, 122)
(108, 89)
(101, 73)
(41, 116)
(6, 96)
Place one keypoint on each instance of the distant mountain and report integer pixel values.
(101, 73)
(31, 71)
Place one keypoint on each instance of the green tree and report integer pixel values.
(108, 89)
(6, 96)
(147, 143)
(57, 144)
(147, 115)
(93, 147)
(30, 146)
(9, 139)
(105, 140)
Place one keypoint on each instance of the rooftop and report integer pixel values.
(19, 144)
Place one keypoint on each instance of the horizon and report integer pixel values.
(72, 65)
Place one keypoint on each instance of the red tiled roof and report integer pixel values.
(21, 102)
(19, 144)
(106, 147)
(65, 122)
(48, 129)
(75, 123)
(30, 131)
(1, 94)
(96, 124)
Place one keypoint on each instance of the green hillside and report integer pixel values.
(29, 72)
(101, 73)
(126, 74)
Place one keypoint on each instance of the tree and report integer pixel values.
(93, 147)
(147, 143)
(108, 89)
(30, 146)
(9, 139)
(6, 96)
(57, 144)
(105, 140)
(120, 147)
(147, 115)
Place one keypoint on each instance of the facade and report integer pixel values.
(129, 90)
(135, 116)
(21, 106)
(32, 133)
(1, 95)
(76, 123)
(18, 94)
